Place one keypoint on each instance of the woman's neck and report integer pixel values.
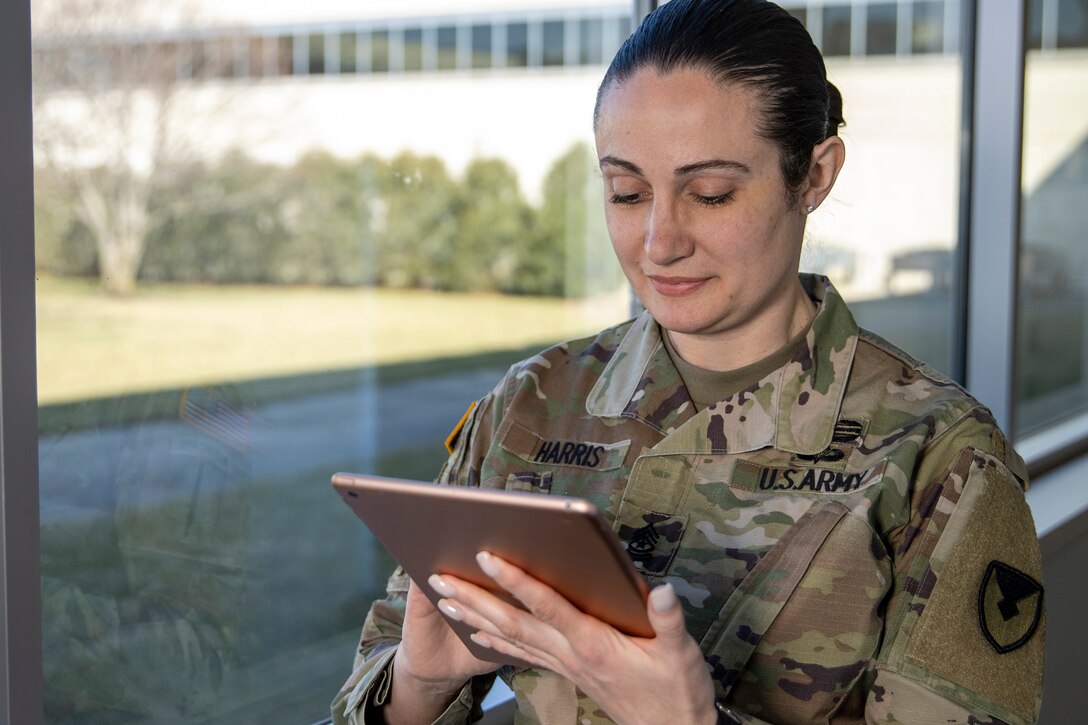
(736, 348)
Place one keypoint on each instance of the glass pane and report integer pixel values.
(517, 45)
(413, 49)
(590, 41)
(481, 46)
(1034, 22)
(880, 25)
(285, 56)
(347, 52)
(927, 33)
(283, 283)
(1053, 339)
(447, 48)
(1073, 23)
(800, 13)
(902, 138)
(836, 30)
(553, 42)
(317, 54)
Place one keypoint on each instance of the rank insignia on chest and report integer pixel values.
(1010, 604)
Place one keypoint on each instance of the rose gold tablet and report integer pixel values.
(562, 541)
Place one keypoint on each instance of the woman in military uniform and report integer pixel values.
(833, 531)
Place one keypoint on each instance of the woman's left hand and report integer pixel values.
(633, 679)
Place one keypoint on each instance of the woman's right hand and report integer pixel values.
(431, 665)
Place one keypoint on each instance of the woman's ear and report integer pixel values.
(828, 157)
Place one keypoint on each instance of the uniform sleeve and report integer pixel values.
(371, 677)
(965, 623)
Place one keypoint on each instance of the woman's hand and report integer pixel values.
(431, 665)
(635, 680)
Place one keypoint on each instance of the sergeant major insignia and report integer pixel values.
(1010, 604)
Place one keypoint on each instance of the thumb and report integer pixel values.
(666, 615)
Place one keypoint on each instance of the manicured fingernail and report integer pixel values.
(441, 586)
(488, 564)
(663, 598)
(450, 611)
(480, 640)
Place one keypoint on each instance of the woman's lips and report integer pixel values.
(676, 286)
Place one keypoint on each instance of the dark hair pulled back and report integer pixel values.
(755, 44)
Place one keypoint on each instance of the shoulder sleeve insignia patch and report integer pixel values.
(1010, 604)
(451, 439)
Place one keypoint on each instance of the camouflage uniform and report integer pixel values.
(848, 537)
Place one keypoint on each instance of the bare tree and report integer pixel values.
(107, 77)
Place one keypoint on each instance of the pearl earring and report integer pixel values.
(809, 209)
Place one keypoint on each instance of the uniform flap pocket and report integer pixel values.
(590, 455)
(650, 537)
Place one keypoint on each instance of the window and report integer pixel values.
(379, 51)
(413, 49)
(481, 46)
(589, 41)
(880, 37)
(347, 52)
(1072, 24)
(927, 31)
(902, 136)
(1053, 322)
(285, 56)
(307, 263)
(836, 25)
(553, 42)
(317, 54)
(517, 45)
(447, 47)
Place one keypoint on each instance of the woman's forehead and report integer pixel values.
(685, 115)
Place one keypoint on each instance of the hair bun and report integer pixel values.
(834, 110)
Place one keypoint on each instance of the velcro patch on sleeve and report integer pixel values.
(979, 638)
(451, 439)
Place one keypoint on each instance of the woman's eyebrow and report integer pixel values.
(712, 164)
(608, 160)
(684, 170)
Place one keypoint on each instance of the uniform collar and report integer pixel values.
(793, 409)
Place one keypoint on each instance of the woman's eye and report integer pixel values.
(717, 200)
(617, 198)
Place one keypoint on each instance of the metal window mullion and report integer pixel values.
(21, 688)
(859, 29)
(994, 206)
(904, 29)
(332, 51)
(814, 21)
(1049, 30)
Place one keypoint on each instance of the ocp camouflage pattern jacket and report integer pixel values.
(848, 537)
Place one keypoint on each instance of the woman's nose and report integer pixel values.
(666, 240)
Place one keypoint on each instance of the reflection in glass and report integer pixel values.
(1053, 315)
(304, 267)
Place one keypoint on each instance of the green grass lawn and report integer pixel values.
(171, 336)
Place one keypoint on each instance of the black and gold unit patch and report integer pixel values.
(1010, 605)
